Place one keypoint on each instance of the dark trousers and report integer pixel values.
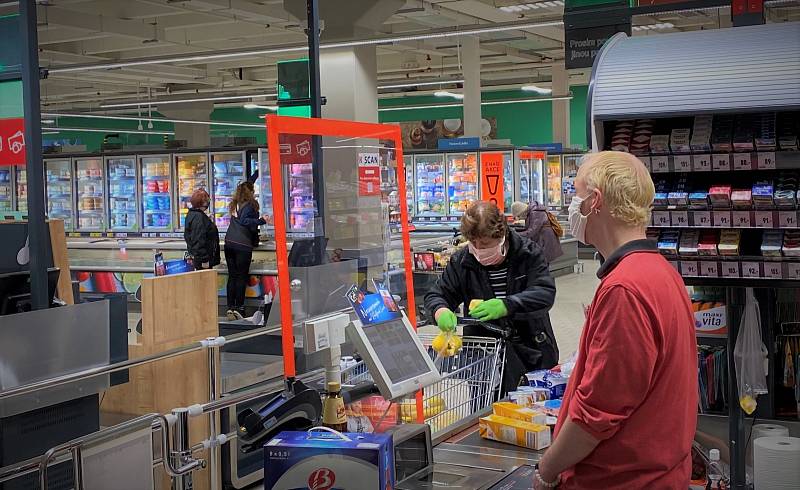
(238, 262)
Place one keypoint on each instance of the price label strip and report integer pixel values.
(689, 268)
(721, 162)
(646, 162)
(680, 218)
(793, 270)
(773, 270)
(722, 219)
(766, 160)
(751, 269)
(661, 218)
(730, 269)
(702, 218)
(683, 163)
(741, 219)
(709, 269)
(701, 163)
(659, 164)
(787, 219)
(742, 161)
(763, 219)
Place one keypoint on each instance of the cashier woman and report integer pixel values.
(510, 274)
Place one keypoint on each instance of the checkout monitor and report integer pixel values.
(397, 361)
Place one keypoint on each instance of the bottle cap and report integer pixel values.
(334, 386)
(713, 455)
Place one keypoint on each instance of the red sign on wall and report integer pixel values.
(369, 174)
(12, 141)
(492, 179)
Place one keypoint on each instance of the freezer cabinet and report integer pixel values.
(529, 171)
(228, 170)
(431, 194)
(6, 189)
(21, 187)
(122, 178)
(462, 181)
(90, 193)
(192, 174)
(156, 184)
(58, 181)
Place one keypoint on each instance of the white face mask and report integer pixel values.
(489, 256)
(577, 221)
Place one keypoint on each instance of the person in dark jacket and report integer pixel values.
(200, 233)
(540, 226)
(510, 275)
(241, 238)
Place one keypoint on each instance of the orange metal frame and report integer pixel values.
(277, 125)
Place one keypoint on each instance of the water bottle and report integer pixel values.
(714, 471)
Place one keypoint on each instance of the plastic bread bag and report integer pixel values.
(750, 356)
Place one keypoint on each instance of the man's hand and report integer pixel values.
(491, 309)
(445, 319)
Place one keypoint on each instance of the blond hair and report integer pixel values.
(625, 183)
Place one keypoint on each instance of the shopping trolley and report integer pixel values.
(470, 382)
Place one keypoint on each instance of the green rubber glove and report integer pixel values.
(491, 309)
(446, 320)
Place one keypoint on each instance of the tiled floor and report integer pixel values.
(572, 292)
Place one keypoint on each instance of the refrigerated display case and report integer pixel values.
(301, 198)
(508, 181)
(6, 189)
(192, 175)
(462, 181)
(264, 187)
(90, 185)
(529, 175)
(123, 214)
(430, 184)
(58, 179)
(569, 169)
(408, 163)
(228, 168)
(554, 192)
(156, 173)
(21, 184)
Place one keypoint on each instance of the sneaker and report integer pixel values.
(230, 315)
(237, 315)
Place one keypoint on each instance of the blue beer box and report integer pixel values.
(324, 461)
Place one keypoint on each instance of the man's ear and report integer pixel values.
(598, 201)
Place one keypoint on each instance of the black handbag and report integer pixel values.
(239, 235)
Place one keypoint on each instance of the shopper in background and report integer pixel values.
(539, 225)
(200, 232)
(629, 413)
(510, 275)
(240, 239)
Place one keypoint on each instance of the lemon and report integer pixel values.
(474, 304)
(439, 343)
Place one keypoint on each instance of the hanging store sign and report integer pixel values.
(12, 141)
(369, 174)
(295, 149)
(587, 27)
(459, 144)
(492, 179)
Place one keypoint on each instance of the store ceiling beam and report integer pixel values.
(128, 9)
(56, 16)
(240, 8)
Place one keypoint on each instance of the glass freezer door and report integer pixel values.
(529, 175)
(301, 198)
(122, 203)
(91, 194)
(431, 196)
(408, 163)
(462, 181)
(228, 172)
(508, 181)
(554, 200)
(58, 178)
(264, 186)
(6, 189)
(569, 164)
(192, 175)
(21, 181)
(156, 173)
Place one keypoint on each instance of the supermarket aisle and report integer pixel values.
(572, 292)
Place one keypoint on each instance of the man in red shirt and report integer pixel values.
(629, 413)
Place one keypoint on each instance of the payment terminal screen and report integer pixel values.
(396, 350)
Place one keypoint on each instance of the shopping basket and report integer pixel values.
(470, 382)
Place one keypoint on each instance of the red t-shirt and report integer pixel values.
(634, 386)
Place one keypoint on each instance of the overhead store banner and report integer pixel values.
(587, 26)
(492, 179)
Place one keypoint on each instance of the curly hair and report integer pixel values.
(245, 194)
(483, 220)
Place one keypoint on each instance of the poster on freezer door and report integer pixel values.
(492, 179)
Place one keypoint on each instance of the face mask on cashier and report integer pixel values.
(489, 256)
(577, 221)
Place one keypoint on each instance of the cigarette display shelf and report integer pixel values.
(705, 162)
(750, 218)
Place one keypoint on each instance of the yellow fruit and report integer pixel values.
(439, 343)
(474, 304)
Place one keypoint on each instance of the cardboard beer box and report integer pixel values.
(516, 432)
(518, 412)
(318, 460)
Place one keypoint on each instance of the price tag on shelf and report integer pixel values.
(680, 218)
(741, 219)
(689, 268)
(766, 160)
(751, 269)
(793, 270)
(709, 269)
(661, 218)
(702, 218)
(764, 219)
(722, 219)
(721, 162)
(742, 161)
(773, 270)
(659, 164)
(730, 269)
(646, 162)
(701, 163)
(674, 264)
(683, 163)
(787, 219)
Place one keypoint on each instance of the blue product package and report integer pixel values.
(544, 378)
(323, 461)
